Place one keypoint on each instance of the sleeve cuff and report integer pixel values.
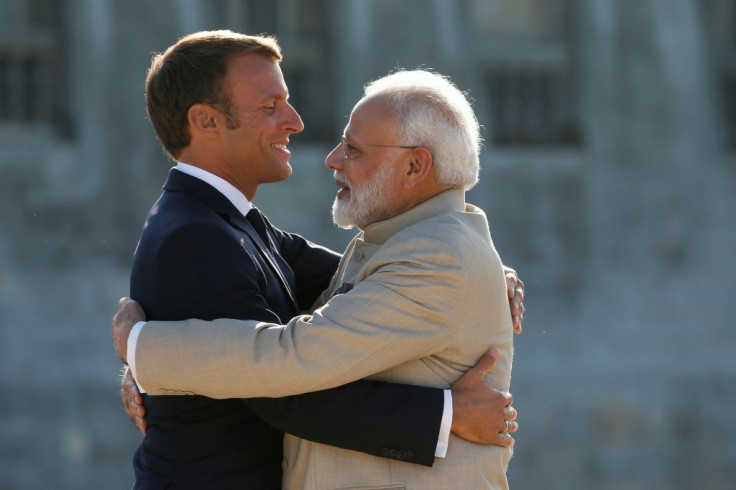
(133, 341)
(444, 438)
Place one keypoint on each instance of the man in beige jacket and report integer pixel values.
(418, 297)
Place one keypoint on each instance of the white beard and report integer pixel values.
(370, 202)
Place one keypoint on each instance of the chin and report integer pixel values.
(343, 214)
(282, 173)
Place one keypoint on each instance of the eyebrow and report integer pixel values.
(278, 96)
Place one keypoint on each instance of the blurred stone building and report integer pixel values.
(609, 172)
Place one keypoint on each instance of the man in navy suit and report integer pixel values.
(219, 105)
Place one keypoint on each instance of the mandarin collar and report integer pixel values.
(447, 201)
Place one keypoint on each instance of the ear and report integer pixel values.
(203, 120)
(419, 167)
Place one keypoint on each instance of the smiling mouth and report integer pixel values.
(280, 147)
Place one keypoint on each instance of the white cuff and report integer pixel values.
(444, 439)
(132, 341)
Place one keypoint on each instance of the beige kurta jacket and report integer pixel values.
(426, 297)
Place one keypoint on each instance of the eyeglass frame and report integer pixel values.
(344, 143)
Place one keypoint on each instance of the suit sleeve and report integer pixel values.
(215, 278)
(382, 419)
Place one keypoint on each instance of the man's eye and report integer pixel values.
(352, 150)
(270, 108)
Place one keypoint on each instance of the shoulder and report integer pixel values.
(183, 227)
(452, 232)
(454, 245)
(177, 209)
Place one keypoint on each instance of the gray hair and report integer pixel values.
(430, 111)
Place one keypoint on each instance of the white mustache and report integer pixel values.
(341, 180)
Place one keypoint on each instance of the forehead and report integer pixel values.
(255, 76)
(371, 119)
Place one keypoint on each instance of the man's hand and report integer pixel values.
(133, 401)
(129, 313)
(480, 413)
(515, 289)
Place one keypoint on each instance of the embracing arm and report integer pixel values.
(479, 413)
(377, 418)
(383, 419)
(220, 283)
(405, 310)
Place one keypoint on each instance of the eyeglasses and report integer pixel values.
(351, 150)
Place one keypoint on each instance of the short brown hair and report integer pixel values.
(192, 71)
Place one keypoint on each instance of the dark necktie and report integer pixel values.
(282, 267)
(256, 219)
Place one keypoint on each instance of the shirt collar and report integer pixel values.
(228, 190)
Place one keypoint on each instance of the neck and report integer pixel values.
(211, 163)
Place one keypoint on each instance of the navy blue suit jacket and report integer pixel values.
(199, 258)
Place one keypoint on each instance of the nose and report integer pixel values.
(293, 122)
(336, 158)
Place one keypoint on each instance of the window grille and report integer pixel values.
(32, 87)
(529, 66)
(531, 105)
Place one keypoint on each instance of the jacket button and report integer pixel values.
(359, 255)
(284, 464)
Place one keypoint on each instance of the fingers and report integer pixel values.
(517, 298)
(508, 426)
(516, 323)
(511, 281)
(128, 314)
(515, 291)
(133, 402)
(130, 310)
(510, 413)
(504, 440)
(136, 412)
(140, 424)
(517, 306)
(509, 401)
(485, 363)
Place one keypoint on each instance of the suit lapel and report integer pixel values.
(215, 200)
(265, 251)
